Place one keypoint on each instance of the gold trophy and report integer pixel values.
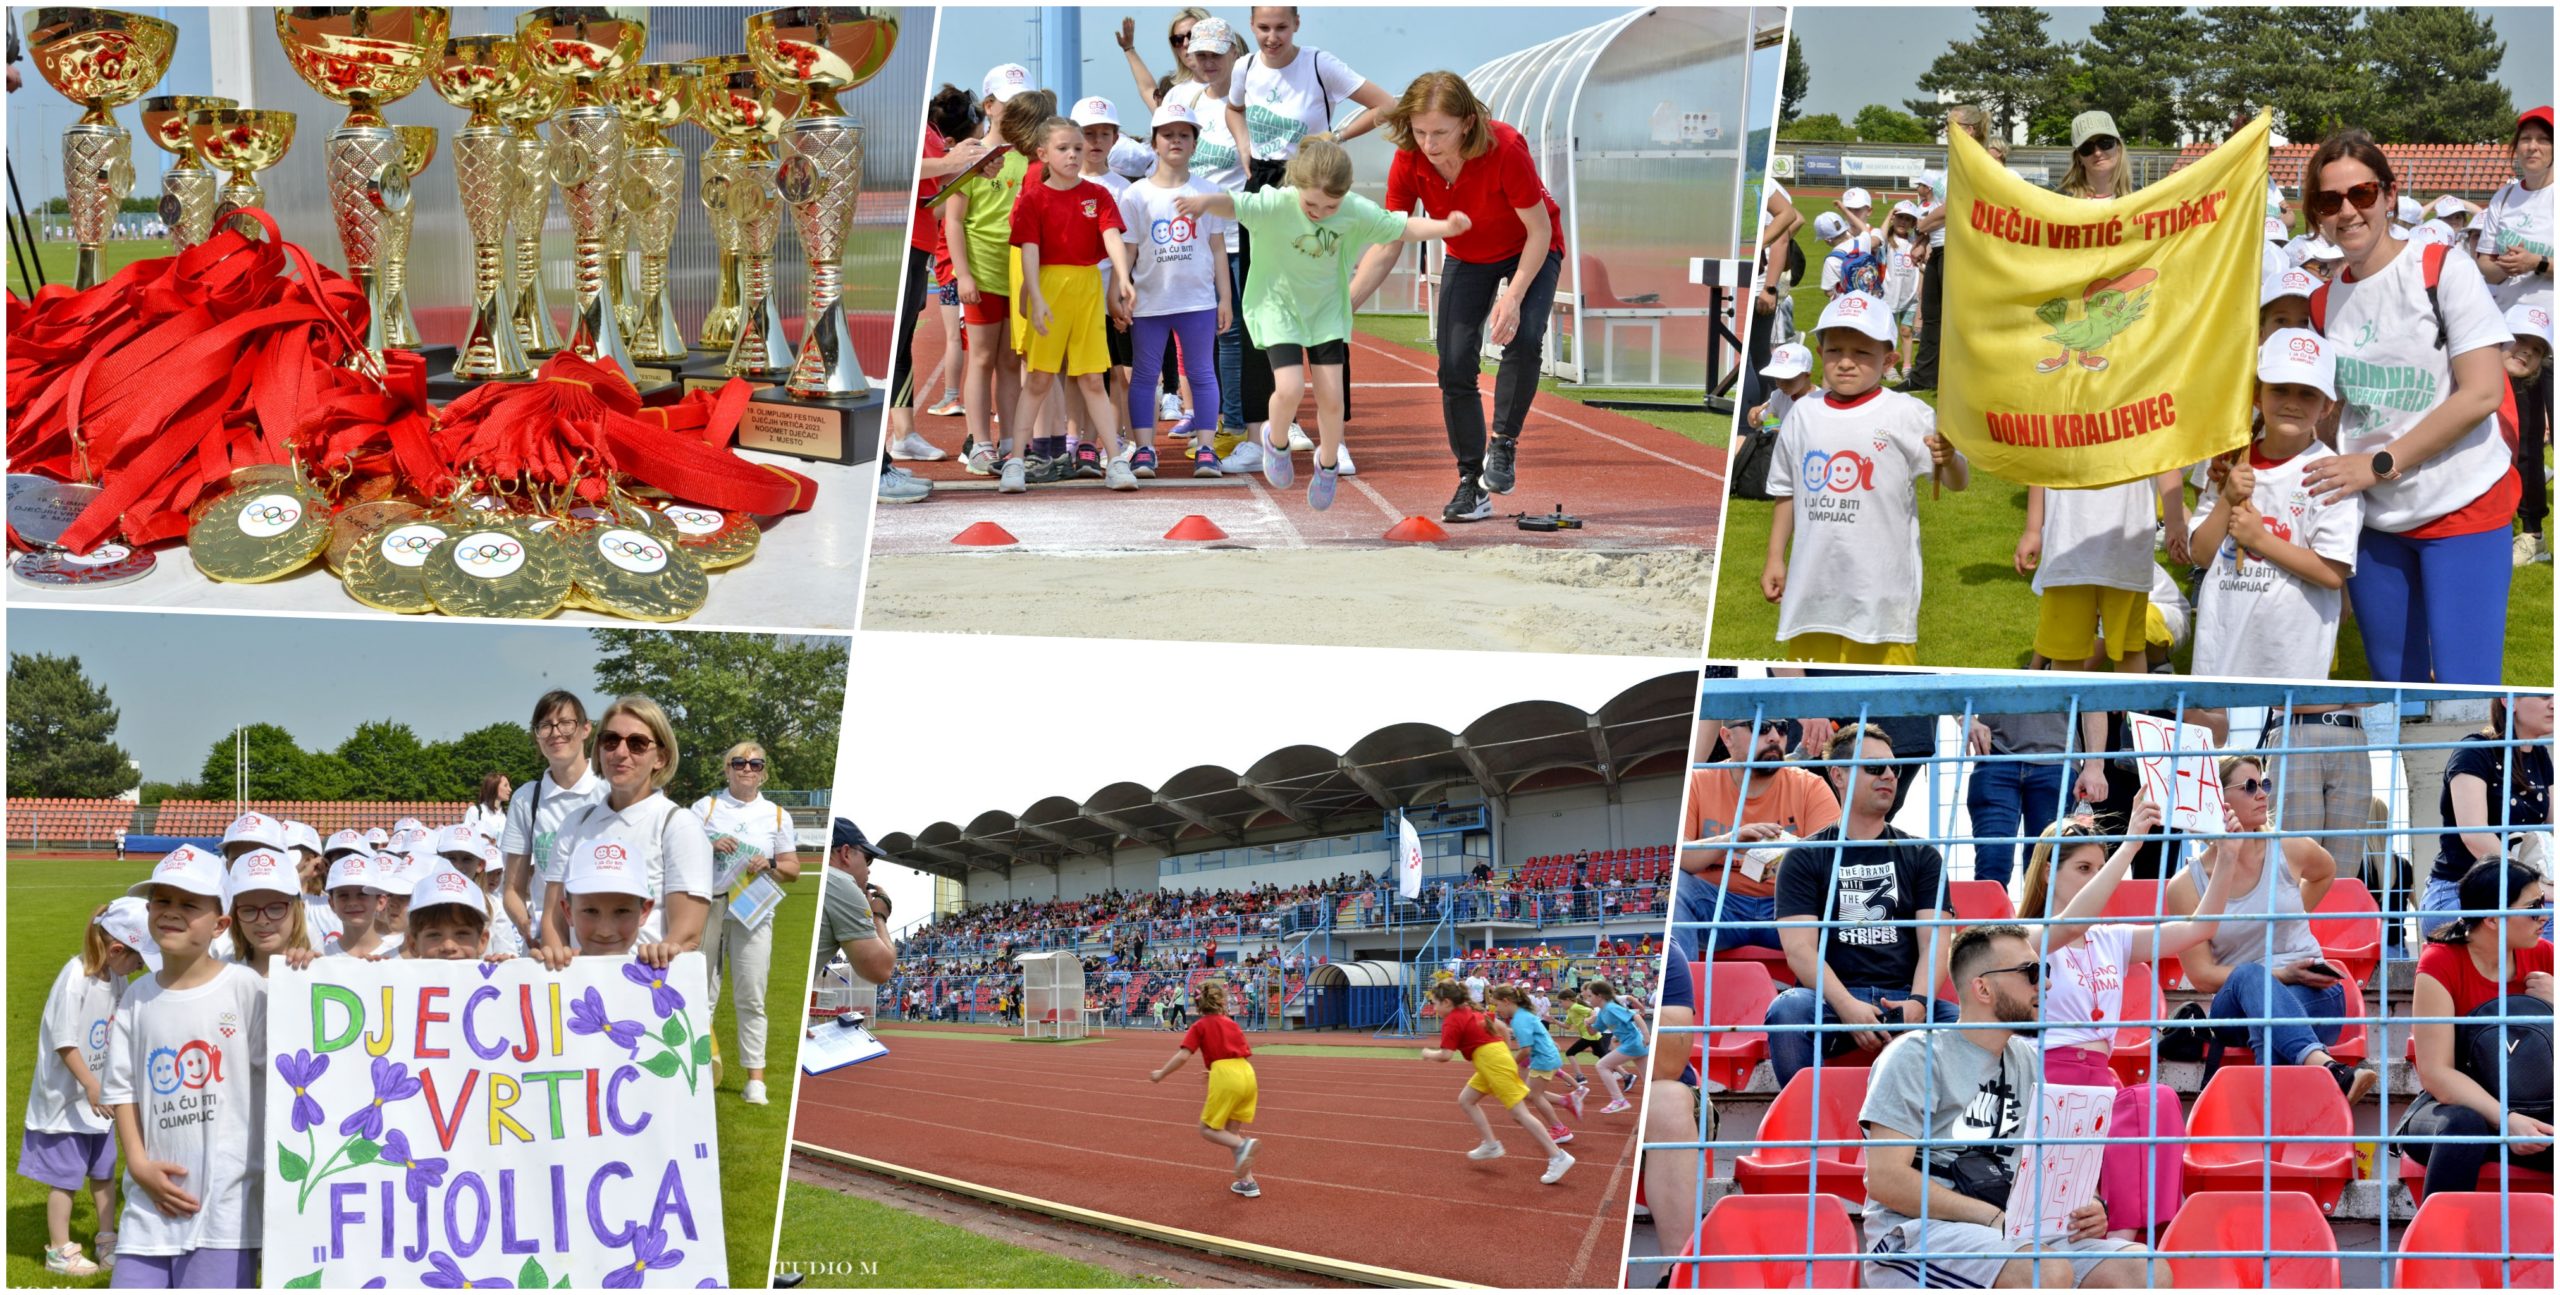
(820, 51)
(477, 74)
(746, 111)
(724, 75)
(530, 206)
(100, 59)
(243, 141)
(417, 149)
(654, 97)
(364, 56)
(588, 48)
(187, 189)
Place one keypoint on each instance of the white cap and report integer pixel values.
(2273, 260)
(2297, 355)
(1862, 311)
(266, 870)
(413, 841)
(2408, 212)
(350, 870)
(1130, 159)
(462, 840)
(409, 825)
(377, 838)
(254, 828)
(349, 840)
(1212, 34)
(1907, 207)
(607, 867)
(388, 874)
(302, 836)
(1858, 198)
(2277, 230)
(1094, 110)
(2321, 249)
(2434, 231)
(2527, 320)
(1935, 182)
(446, 886)
(195, 871)
(1791, 360)
(1169, 113)
(2287, 283)
(127, 921)
(2449, 205)
(1830, 226)
(1004, 81)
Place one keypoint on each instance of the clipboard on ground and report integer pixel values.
(833, 1045)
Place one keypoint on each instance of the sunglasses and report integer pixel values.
(1876, 771)
(2252, 786)
(742, 762)
(2033, 971)
(639, 743)
(2325, 203)
(2101, 144)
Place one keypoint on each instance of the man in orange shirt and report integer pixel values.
(1785, 802)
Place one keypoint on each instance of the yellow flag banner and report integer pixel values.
(2089, 342)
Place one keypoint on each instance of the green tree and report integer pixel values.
(62, 732)
(2308, 66)
(2141, 61)
(1797, 81)
(720, 689)
(1823, 126)
(498, 748)
(2434, 77)
(2050, 123)
(278, 767)
(1877, 124)
(384, 760)
(2009, 69)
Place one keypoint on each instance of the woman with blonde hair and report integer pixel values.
(636, 754)
(1177, 34)
(750, 837)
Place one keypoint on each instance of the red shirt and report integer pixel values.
(1463, 1031)
(1491, 189)
(1065, 224)
(926, 236)
(2451, 966)
(1216, 1038)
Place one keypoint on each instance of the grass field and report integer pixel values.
(49, 904)
(836, 1240)
(1699, 425)
(58, 259)
(1979, 611)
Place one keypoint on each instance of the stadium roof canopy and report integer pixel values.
(1301, 792)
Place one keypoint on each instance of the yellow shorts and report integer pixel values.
(1015, 331)
(2155, 632)
(1077, 341)
(1542, 1076)
(1232, 1091)
(2069, 621)
(1497, 1076)
(1832, 649)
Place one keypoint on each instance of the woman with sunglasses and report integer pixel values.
(636, 754)
(535, 898)
(2258, 970)
(2421, 377)
(2468, 963)
(1176, 34)
(741, 820)
(2513, 235)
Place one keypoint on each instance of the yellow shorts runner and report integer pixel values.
(1232, 1091)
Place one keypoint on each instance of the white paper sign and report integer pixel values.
(2185, 786)
(2054, 1180)
(832, 1045)
(452, 1123)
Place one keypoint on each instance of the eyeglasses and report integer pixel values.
(2099, 144)
(2324, 203)
(559, 726)
(2252, 786)
(2033, 971)
(639, 743)
(275, 912)
(753, 766)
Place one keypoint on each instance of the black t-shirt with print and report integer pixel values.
(2528, 801)
(1884, 880)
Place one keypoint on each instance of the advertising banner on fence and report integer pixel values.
(2091, 342)
(455, 1124)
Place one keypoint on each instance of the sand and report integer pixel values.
(1501, 598)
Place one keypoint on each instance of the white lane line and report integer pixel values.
(1710, 474)
(1380, 500)
(1272, 511)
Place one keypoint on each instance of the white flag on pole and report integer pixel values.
(1409, 858)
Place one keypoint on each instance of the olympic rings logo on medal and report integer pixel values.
(632, 551)
(268, 516)
(408, 546)
(693, 521)
(489, 555)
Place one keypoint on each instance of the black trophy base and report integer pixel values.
(709, 371)
(439, 359)
(825, 431)
(444, 388)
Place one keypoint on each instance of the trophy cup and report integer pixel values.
(722, 74)
(101, 60)
(243, 141)
(417, 149)
(588, 48)
(823, 410)
(654, 97)
(186, 190)
(477, 74)
(746, 112)
(530, 206)
(364, 56)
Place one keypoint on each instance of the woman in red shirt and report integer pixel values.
(1232, 1088)
(1452, 156)
(2460, 970)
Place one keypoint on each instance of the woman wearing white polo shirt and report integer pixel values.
(2513, 237)
(636, 753)
(741, 819)
(487, 816)
(560, 732)
(2420, 377)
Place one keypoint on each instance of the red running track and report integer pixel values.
(1636, 486)
(1363, 1157)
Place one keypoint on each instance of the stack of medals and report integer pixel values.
(40, 510)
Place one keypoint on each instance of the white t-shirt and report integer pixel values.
(534, 816)
(666, 834)
(77, 1013)
(1475, 989)
(2257, 619)
(1853, 477)
(320, 923)
(759, 824)
(1170, 251)
(2517, 217)
(2099, 536)
(195, 1062)
(2083, 987)
(488, 823)
(1938, 236)
(503, 936)
(1831, 262)
(1901, 275)
(2390, 374)
(1215, 160)
(1283, 105)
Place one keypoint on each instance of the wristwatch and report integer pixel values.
(2383, 467)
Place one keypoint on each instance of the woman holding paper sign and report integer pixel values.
(746, 827)
(636, 755)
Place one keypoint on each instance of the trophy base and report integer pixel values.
(709, 371)
(439, 358)
(444, 388)
(827, 431)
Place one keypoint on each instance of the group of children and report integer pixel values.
(167, 1071)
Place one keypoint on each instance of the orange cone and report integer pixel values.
(1195, 527)
(1416, 529)
(982, 534)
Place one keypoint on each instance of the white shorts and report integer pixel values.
(1973, 1272)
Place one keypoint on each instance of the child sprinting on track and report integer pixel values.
(1577, 1026)
(1064, 227)
(1232, 1090)
(68, 1142)
(1464, 1033)
(1297, 300)
(1626, 1032)
(1533, 1052)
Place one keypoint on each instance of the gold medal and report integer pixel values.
(263, 533)
(719, 539)
(639, 574)
(357, 523)
(261, 474)
(387, 570)
(496, 566)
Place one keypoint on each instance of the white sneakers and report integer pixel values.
(753, 1094)
(1556, 1165)
(1298, 440)
(1169, 408)
(913, 446)
(1488, 1151)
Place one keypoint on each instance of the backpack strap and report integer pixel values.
(2431, 272)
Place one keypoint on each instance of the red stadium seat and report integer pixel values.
(1979, 901)
(1746, 1225)
(2468, 1224)
(2353, 942)
(2142, 1002)
(1741, 1000)
(2137, 899)
(2251, 1221)
(2307, 1103)
(1838, 1171)
(2518, 1178)
(1772, 961)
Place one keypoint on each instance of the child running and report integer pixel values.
(1297, 301)
(1464, 1033)
(1577, 1025)
(1232, 1089)
(1533, 1052)
(69, 1142)
(1626, 1031)
(1183, 292)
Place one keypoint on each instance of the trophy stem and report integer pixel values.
(191, 189)
(720, 326)
(829, 150)
(95, 157)
(240, 193)
(484, 173)
(589, 137)
(657, 176)
(763, 349)
(362, 160)
(532, 315)
(399, 325)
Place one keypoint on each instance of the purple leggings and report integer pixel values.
(1197, 331)
(204, 1269)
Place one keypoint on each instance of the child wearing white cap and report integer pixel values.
(2528, 358)
(609, 904)
(1844, 548)
(1099, 119)
(357, 905)
(1849, 266)
(266, 910)
(977, 221)
(1790, 367)
(1180, 264)
(448, 918)
(2284, 301)
(68, 1143)
(2271, 597)
(185, 1054)
(1902, 275)
(392, 877)
(252, 831)
(311, 866)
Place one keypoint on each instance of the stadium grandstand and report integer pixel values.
(2294, 1175)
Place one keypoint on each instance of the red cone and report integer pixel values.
(1416, 530)
(982, 534)
(1195, 527)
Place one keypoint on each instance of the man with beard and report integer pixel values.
(1961, 1089)
(1785, 803)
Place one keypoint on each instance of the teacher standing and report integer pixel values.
(1498, 282)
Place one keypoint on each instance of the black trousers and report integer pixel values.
(913, 303)
(1467, 293)
(2456, 1166)
(2533, 422)
(1933, 294)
